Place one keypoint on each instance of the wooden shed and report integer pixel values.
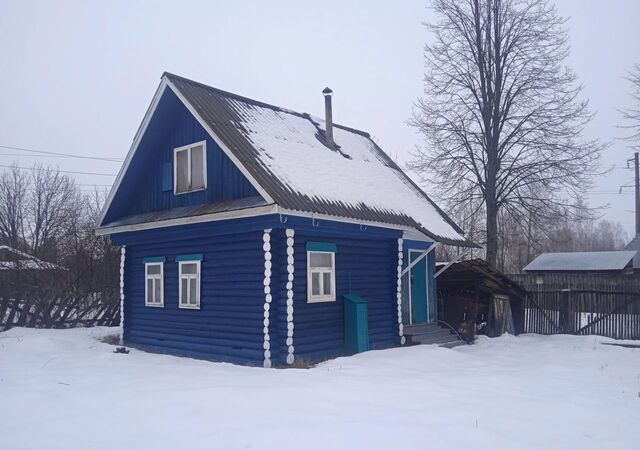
(470, 291)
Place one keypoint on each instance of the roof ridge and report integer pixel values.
(261, 103)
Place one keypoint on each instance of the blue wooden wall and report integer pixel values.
(173, 126)
(228, 325)
(366, 265)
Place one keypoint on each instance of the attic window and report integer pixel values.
(190, 168)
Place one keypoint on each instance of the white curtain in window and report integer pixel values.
(182, 171)
(197, 167)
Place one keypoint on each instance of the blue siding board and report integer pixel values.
(228, 326)
(148, 183)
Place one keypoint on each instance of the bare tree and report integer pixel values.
(14, 189)
(55, 203)
(51, 219)
(501, 113)
(631, 115)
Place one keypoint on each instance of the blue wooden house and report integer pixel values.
(255, 234)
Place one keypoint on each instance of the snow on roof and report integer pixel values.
(288, 146)
(286, 152)
(580, 261)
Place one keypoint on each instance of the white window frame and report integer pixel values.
(321, 298)
(157, 278)
(188, 276)
(188, 149)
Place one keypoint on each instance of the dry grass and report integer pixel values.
(301, 363)
(111, 339)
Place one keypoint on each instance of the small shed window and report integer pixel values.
(190, 163)
(189, 284)
(154, 284)
(321, 274)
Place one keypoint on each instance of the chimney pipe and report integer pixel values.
(328, 116)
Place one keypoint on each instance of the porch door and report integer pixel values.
(418, 288)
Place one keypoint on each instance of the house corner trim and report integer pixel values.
(123, 251)
(290, 269)
(266, 246)
(399, 293)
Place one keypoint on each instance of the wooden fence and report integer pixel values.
(59, 313)
(581, 304)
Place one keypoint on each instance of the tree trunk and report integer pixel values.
(492, 233)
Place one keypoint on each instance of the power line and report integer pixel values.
(67, 155)
(63, 171)
(22, 155)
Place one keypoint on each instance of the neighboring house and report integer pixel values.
(21, 272)
(255, 234)
(634, 245)
(12, 259)
(611, 262)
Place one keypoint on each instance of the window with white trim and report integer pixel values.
(321, 276)
(190, 168)
(154, 284)
(189, 274)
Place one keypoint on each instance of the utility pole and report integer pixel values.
(637, 194)
(636, 168)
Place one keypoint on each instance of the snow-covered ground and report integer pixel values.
(64, 389)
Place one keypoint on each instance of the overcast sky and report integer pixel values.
(77, 77)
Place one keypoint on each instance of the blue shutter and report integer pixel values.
(167, 177)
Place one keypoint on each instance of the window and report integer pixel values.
(154, 284)
(190, 167)
(321, 276)
(189, 284)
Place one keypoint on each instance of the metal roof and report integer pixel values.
(216, 109)
(189, 211)
(581, 261)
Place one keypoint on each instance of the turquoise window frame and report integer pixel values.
(154, 259)
(326, 247)
(321, 247)
(192, 257)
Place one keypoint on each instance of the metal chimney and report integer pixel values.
(328, 116)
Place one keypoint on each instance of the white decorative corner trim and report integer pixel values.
(266, 246)
(399, 293)
(123, 251)
(290, 269)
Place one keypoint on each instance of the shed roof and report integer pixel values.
(477, 272)
(286, 154)
(580, 261)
